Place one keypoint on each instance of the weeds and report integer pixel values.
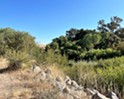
(103, 75)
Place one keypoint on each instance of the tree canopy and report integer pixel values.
(77, 42)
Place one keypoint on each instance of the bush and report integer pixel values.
(114, 62)
(95, 54)
(17, 58)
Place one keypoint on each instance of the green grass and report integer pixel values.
(104, 75)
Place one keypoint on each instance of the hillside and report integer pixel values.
(39, 83)
(82, 64)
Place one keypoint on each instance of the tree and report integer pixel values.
(120, 33)
(112, 27)
(72, 33)
(16, 40)
(86, 42)
(96, 38)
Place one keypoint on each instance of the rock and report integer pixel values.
(59, 79)
(41, 76)
(112, 95)
(36, 69)
(89, 91)
(80, 87)
(48, 71)
(59, 85)
(67, 81)
(74, 84)
(99, 96)
(77, 94)
(66, 90)
(66, 78)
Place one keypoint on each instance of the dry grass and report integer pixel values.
(22, 85)
(56, 71)
(3, 63)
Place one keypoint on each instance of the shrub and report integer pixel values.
(100, 54)
(17, 58)
(114, 62)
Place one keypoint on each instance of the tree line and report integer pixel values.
(83, 44)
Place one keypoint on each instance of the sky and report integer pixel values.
(48, 19)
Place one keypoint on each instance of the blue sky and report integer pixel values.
(47, 19)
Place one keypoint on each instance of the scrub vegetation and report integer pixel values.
(94, 58)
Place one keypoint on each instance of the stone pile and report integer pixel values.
(69, 89)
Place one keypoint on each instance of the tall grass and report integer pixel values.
(17, 58)
(103, 75)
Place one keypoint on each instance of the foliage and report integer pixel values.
(18, 47)
(80, 44)
(103, 75)
(50, 57)
(15, 40)
(95, 54)
(112, 27)
(121, 47)
(17, 59)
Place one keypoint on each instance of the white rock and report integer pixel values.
(66, 90)
(41, 76)
(36, 69)
(90, 92)
(67, 78)
(48, 71)
(99, 96)
(59, 85)
(67, 81)
(59, 79)
(74, 84)
(80, 87)
(112, 95)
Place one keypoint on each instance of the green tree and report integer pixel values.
(71, 34)
(112, 27)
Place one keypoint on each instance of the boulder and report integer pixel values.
(59, 79)
(99, 96)
(112, 95)
(74, 84)
(36, 69)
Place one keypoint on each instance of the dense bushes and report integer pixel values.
(17, 59)
(87, 44)
(20, 48)
(15, 40)
(80, 44)
(50, 57)
(95, 54)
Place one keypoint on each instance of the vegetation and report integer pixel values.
(80, 44)
(94, 58)
(103, 75)
(20, 48)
